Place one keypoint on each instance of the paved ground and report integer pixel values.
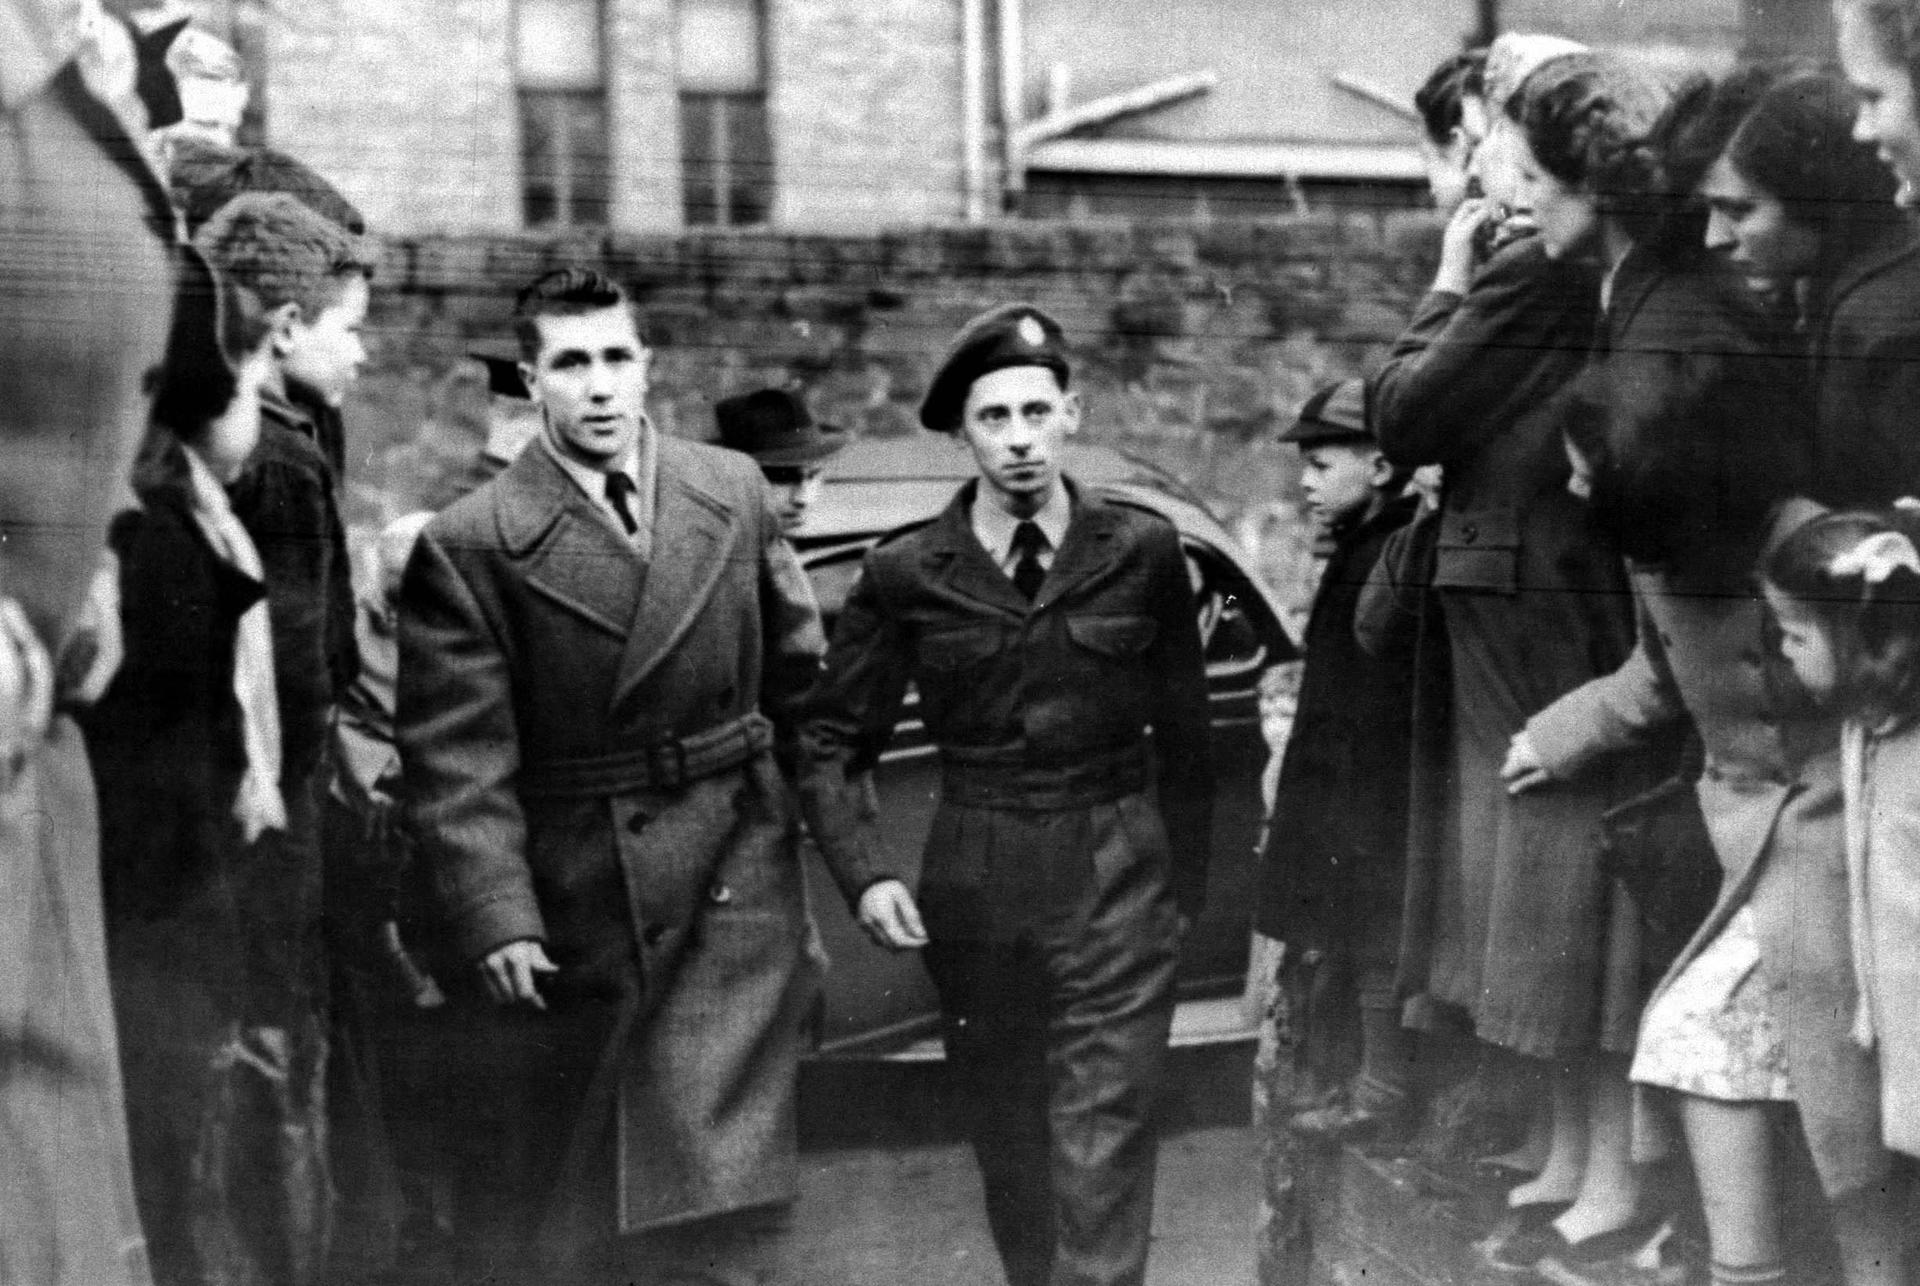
(890, 1196)
(882, 1216)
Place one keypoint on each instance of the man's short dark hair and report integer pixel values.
(1439, 101)
(564, 292)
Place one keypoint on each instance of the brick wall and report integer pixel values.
(1193, 345)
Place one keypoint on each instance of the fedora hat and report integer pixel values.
(774, 427)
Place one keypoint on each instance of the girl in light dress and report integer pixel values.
(1845, 589)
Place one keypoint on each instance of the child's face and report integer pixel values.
(1805, 645)
(324, 355)
(1339, 481)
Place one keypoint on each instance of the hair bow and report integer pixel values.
(1876, 558)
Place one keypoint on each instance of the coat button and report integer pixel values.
(652, 934)
(1469, 533)
(720, 895)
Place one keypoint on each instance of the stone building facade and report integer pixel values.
(849, 116)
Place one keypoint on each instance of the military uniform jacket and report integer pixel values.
(1109, 648)
(532, 635)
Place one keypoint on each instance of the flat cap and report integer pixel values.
(1010, 335)
(1337, 413)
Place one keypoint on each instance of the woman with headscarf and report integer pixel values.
(1508, 918)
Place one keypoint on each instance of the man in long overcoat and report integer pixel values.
(598, 651)
(87, 271)
(1046, 628)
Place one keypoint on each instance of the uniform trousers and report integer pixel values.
(1053, 940)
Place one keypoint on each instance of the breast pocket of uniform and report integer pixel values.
(947, 654)
(1120, 639)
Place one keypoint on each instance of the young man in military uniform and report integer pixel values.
(1046, 629)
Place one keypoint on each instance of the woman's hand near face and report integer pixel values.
(1457, 244)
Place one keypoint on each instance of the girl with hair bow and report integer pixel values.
(1845, 589)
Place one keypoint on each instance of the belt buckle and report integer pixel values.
(667, 763)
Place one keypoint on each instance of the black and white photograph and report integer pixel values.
(959, 643)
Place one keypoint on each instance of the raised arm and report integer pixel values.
(1466, 363)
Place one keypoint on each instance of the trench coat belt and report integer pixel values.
(985, 779)
(668, 764)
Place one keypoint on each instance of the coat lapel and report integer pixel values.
(573, 558)
(962, 563)
(1088, 550)
(694, 534)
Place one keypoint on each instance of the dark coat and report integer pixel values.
(1335, 860)
(531, 633)
(165, 842)
(1505, 914)
(285, 498)
(1109, 648)
(1704, 410)
(86, 288)
(192, 931)
(1866, 374)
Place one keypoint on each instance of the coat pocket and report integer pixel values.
(949, 650)
(1479, 550)
(1117, 637)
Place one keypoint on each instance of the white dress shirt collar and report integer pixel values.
(993, 526)
(641, 465)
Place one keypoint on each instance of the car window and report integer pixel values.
(1236, 628)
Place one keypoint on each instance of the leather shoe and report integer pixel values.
(1528, 1248)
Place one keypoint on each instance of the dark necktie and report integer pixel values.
(1028, 541)
(619, 488)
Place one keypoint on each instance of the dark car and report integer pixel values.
(882, 1003)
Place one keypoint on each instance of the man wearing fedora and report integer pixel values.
(1046, 628)
(774, 427)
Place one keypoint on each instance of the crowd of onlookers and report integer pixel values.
(1604, 757)
(1607, 752)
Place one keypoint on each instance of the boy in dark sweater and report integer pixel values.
(1332, 872)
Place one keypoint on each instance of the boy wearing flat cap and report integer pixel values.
(774, 427)
(1334, 864)
(1046, 629)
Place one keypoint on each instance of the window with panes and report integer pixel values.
(726, 154)
(560, 66)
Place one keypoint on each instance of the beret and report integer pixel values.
(1010, 335)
